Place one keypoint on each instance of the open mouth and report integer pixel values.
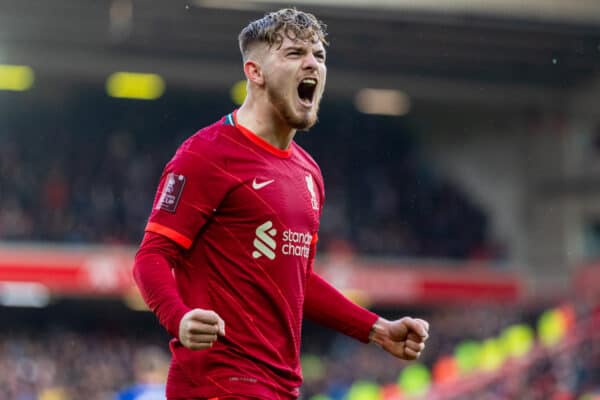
(306, 90)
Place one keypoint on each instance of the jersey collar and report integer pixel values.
(253, 137)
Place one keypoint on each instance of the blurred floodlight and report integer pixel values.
(391, 391)
(518, 339)
(16, 77)
(445, 369)
(415, 379)
(132, 85)
(24, 294)
(467, 354)
(238, 92)
(492, 355)
(382, 102)
(364, 390)
(551, 327)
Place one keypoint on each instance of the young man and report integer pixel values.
(227, 259)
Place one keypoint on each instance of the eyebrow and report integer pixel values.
(301, 48)
(293, 47)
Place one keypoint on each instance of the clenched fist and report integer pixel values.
(199, 329)
(403, 338)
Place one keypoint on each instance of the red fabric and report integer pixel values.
(327, 306)
(340, 313)
(152, 273)
(170, 233)
(260, 141)
(247, 250)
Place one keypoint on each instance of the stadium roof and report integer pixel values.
(388, 44)
(558, 10)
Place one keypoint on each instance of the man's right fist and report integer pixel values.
(198, 329)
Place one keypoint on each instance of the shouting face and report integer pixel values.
(295, 75)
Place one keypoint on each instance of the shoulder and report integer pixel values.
(209, 144)
(212, 136)
(307, 161)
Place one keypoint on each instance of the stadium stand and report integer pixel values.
(73, 350)
(78, 171)
(87, 173)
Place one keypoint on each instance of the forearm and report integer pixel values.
(152, 273)
(325, 305)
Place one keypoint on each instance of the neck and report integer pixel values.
(266, 123)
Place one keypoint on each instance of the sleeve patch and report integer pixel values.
(171, 193)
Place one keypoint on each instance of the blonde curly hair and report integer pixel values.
(292, 23)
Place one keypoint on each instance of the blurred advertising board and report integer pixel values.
(106, 271)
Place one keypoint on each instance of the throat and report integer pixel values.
(281, 141)
(271, 129)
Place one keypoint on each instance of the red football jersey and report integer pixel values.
(247, 214)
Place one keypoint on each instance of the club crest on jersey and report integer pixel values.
(310, 184)
(169, 198)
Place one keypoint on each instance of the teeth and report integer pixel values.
(309, 81)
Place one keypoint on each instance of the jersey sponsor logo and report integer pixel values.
(171, 193)
(264, 242)
(259, 185)
(294, 243)
(310, 184)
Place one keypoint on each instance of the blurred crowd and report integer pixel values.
(65, 365)
(569, 370)
(86, 171)
(69, 363)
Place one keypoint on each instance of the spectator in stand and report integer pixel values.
(150, 368)
(64, 186)
(73, 365)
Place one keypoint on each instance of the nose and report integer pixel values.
(310, 61)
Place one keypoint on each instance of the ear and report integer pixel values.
(253, 72)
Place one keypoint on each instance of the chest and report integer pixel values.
(284, 192)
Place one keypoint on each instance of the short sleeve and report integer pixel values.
(192, 186)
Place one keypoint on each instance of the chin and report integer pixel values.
(303, 120)
(303, 123)
(306, 124)
(295, 116)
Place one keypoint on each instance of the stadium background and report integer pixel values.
(460, 145)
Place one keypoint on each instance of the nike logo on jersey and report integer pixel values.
(257, 185)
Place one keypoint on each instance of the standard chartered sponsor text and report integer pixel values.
(296, 243)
